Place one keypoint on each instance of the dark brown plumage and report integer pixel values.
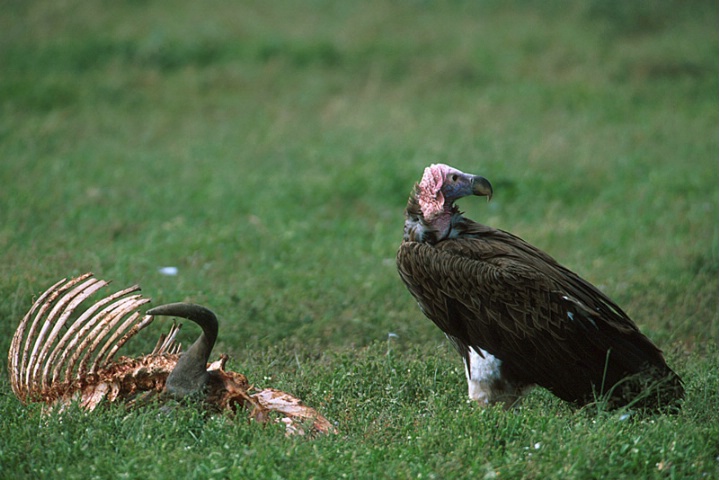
(517, 317)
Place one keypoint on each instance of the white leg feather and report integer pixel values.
(482, 372)
(485, 382)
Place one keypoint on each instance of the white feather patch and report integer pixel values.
(482, 370)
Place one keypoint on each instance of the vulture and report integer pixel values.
(63, 352)
(517, 317)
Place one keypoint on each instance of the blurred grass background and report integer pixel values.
(266, 150)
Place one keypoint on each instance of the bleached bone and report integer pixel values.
(56, 368)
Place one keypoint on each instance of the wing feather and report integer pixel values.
(548, 325)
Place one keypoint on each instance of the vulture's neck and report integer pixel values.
(441, 226)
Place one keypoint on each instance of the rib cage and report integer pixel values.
(57, 357)
(43, 359)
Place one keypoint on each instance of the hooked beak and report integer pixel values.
(482, 187)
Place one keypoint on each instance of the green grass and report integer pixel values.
(267, 149)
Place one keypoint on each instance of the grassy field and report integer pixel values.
(267, 149)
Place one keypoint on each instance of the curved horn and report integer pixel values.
(190, 374)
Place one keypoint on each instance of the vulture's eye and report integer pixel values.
(454, 178)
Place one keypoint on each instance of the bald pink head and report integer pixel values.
(441, 185)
